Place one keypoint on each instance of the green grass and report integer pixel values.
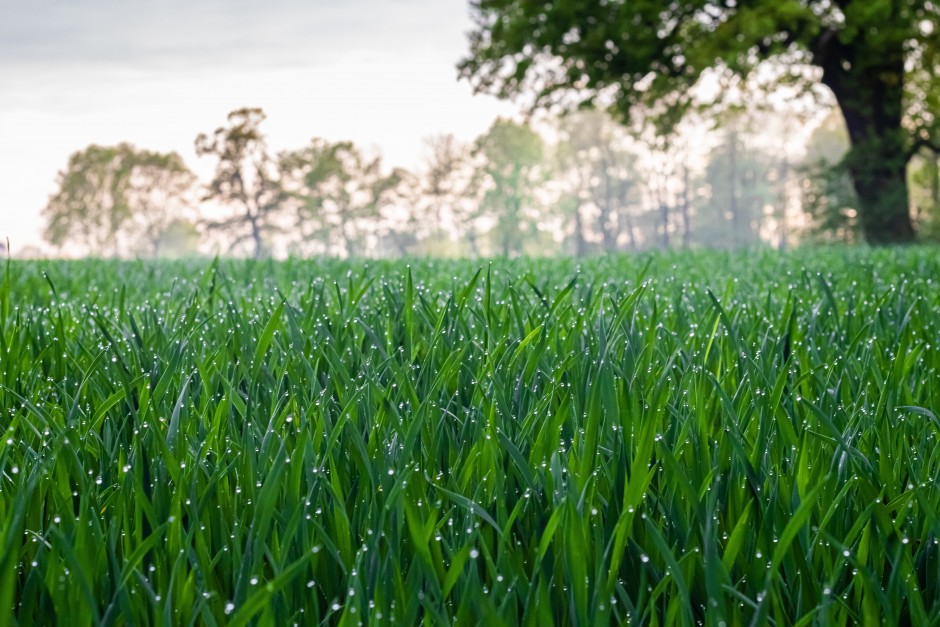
(668, 439)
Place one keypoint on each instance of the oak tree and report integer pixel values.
(879, 58)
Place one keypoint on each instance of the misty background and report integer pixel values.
(312, 128)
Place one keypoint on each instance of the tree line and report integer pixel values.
(595, 186)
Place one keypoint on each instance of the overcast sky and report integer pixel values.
(156, 74)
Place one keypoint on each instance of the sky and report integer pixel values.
(156, 74)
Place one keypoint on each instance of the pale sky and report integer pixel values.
(72, 73)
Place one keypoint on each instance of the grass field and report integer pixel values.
(706, 438)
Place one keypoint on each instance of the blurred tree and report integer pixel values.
(246, 179)
(508, 159)
(441, 180)
(160, 193)
(402, 218)
(341, 192)
(594, 153)
(925, 192)
(314, 175)
(111, 196)
(179, 238)
(449, 199)
(738, 178)
(664, 179)
(828, 197)
(880, 58)
(90, 207)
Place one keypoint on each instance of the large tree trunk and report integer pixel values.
(881, 184)
(870, 97)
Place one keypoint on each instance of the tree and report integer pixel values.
(111, 196)
(449, 196)
(315, 176)
(925, 192)
(441, 173)
(159, 192)
(664, 180)
(342, 192)
(180, 238)
(828, 198)
(246, 179)
(509, 156)
(739, 183)
(879, 58)
(594, 150)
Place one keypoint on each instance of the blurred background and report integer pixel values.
(345, 129)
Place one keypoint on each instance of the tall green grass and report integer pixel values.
(714, 439)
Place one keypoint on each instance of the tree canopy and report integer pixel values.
(340, 190)
(509, 155)
(246, 178)
(880, 59)
(111, 196)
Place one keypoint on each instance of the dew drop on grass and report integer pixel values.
(229, 607)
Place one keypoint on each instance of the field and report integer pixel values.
(703, 438)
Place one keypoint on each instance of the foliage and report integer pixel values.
(179, 239)
(441, 184)
(925, 193)
(870, 53)
(160, 194)
(828, 197)
(110, 197)
(667, 439)
(246, 179)
(449, 201)
(594, 152)
(508, 158)
(341, 191)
